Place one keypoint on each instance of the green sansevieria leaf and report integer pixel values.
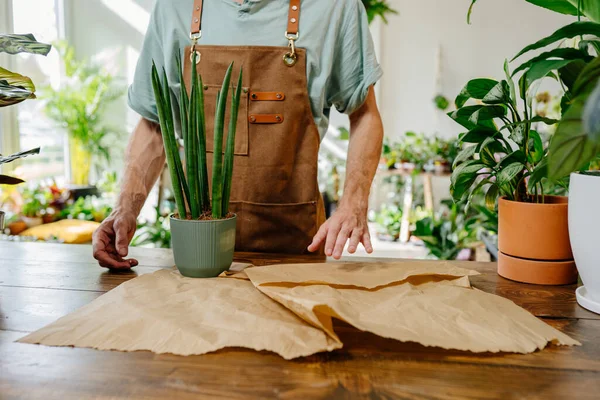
(15, 44)
(566, 32)
(16, 156)
(14, 88)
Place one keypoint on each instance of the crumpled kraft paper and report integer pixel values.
(164, 312)
(430, 303)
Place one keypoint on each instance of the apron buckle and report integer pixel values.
(290, 59)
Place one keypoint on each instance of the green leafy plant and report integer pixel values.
(441, 102)
(15, 88)
(378, 8)
(194, 187)
(80, 103)
(447, 233)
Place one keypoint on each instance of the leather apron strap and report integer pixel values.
(292, 26)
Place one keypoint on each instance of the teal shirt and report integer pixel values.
(341, 61)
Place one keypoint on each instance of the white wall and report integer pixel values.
(411, 40)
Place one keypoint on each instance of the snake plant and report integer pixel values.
(192, 191)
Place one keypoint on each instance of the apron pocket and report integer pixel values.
(275, 228)
(241, 133)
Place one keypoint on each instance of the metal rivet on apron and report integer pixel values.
(254, 96)
(293, 20)
(278, 95)
(295, 8)
(198, 56)
(253, 119)
(196, 20)
(278, 118)
(205, 87)
(198, 8)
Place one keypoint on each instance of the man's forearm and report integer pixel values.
(144, 162)
(364, 152)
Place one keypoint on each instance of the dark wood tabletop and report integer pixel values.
(42, 282)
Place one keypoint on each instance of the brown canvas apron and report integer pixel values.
(275, 193)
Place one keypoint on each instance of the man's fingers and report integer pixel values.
(354, 240)
(107, 260)
(122, 238)
(341, 240)
(366, 241)
(332, 234)
(318, 239)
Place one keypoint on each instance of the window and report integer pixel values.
(31, 128)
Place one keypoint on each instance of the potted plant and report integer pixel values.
(512, 161)
(78, 106)
(15, 88)
(203, 239)
(389, 222)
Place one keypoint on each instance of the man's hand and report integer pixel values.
(350, 219)
(111, 240)
(348, 222)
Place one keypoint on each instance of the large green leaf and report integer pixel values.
(14, 44)
(464, 176)
(570, 148)
(14, 88)
(567, 53)
(489, 91)
(591, 115)
(560, 6)
(542, 69)
(487, 113)
(16, 156)
(463, 117)
(491, 196)
(566, 32)
(570, 72)
(478, 134)
(510, 172)
(587, 78)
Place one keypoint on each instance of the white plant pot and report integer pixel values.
(584, 220)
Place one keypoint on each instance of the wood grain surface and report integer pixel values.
(42, 282)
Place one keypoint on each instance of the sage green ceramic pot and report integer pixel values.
(203, 249)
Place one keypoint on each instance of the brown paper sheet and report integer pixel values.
(430, 303)
(291, 313)
(164, 312)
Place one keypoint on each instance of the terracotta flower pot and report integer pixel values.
(533, 242)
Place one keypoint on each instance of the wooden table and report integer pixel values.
(42, 282)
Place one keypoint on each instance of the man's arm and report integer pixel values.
(350, 218)
(144, 162)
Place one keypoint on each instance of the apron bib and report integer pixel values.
(275, 192)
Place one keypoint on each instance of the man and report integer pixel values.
(292, 77)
